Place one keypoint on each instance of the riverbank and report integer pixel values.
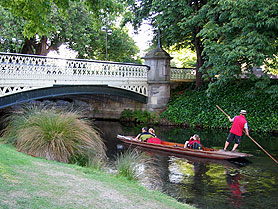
(28, 182)
(197, 108)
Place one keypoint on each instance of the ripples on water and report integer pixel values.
(208, 183)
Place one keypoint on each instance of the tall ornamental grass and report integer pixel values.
(54, 135)
(132, 164)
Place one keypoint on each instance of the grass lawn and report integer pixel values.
(29, 182)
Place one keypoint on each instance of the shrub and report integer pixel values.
(132, 164)
(54, 135)
(138, 116)
(196, 108)
(142, 116)
(127, 115)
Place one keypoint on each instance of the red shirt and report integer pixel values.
(238, 125)
(191, 142)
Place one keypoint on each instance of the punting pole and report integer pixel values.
(250, 137)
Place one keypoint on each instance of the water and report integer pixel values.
(209, 183)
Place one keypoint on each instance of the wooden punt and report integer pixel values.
(178, 148)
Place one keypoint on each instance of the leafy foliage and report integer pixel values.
(137, 115)
(120, 47)
(182, 58)
(77, 27)
(229, 37)
(127, 115)
(54, 135)
(8, 29)
(36, 12)
(179, 21)
(196, 108)
(238, 38)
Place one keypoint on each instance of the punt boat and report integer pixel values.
(177, 148)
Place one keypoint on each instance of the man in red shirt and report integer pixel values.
(239, 123)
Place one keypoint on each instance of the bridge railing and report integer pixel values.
(182, 74)
(20, 72)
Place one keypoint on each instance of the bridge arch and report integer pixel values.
(27, 77)
(65, 90)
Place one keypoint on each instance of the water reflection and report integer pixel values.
(208, 183)
(204, 184)
(234, 178)
(154, 175)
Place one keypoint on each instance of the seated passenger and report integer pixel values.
(144, 135)
(154, 140)
(151, 131)
(193, 143)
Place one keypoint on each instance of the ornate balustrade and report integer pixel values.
(25, 72)
(182, 74)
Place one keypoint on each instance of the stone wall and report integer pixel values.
(92, 106)
(105, 106)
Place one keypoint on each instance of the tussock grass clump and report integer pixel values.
(127, 162)
(132, 164)
(54, 135)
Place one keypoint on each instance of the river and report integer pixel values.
(207, 183)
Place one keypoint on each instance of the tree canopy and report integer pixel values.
(238, 36)
(77, 27)
(228, 36)
(179, 21)
(36, 12)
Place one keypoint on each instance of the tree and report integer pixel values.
(183, 58)
(227, 36)
(69, 25)
(76, 27)
(179, 21)
(8, 29)
(121, 47)
(39, 24)
(238, 36)
(36, 12)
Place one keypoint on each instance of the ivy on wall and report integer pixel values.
(196, 108)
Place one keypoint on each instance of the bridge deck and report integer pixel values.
(23, 73)
(26, 72)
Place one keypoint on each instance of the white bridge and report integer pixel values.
(20, 73)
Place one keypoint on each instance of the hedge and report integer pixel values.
(196, 108)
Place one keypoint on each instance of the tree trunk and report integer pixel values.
(41, 48)
(31, 47)
(27, 47)
(200, 62)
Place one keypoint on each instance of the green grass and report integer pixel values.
(128, 162)
(29, 182)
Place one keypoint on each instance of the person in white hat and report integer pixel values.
(239, 124)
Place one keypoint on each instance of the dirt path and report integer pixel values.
(52, 185)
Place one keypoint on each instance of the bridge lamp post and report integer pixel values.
(107, 32)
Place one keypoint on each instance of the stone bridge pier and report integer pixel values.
(158, 79)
